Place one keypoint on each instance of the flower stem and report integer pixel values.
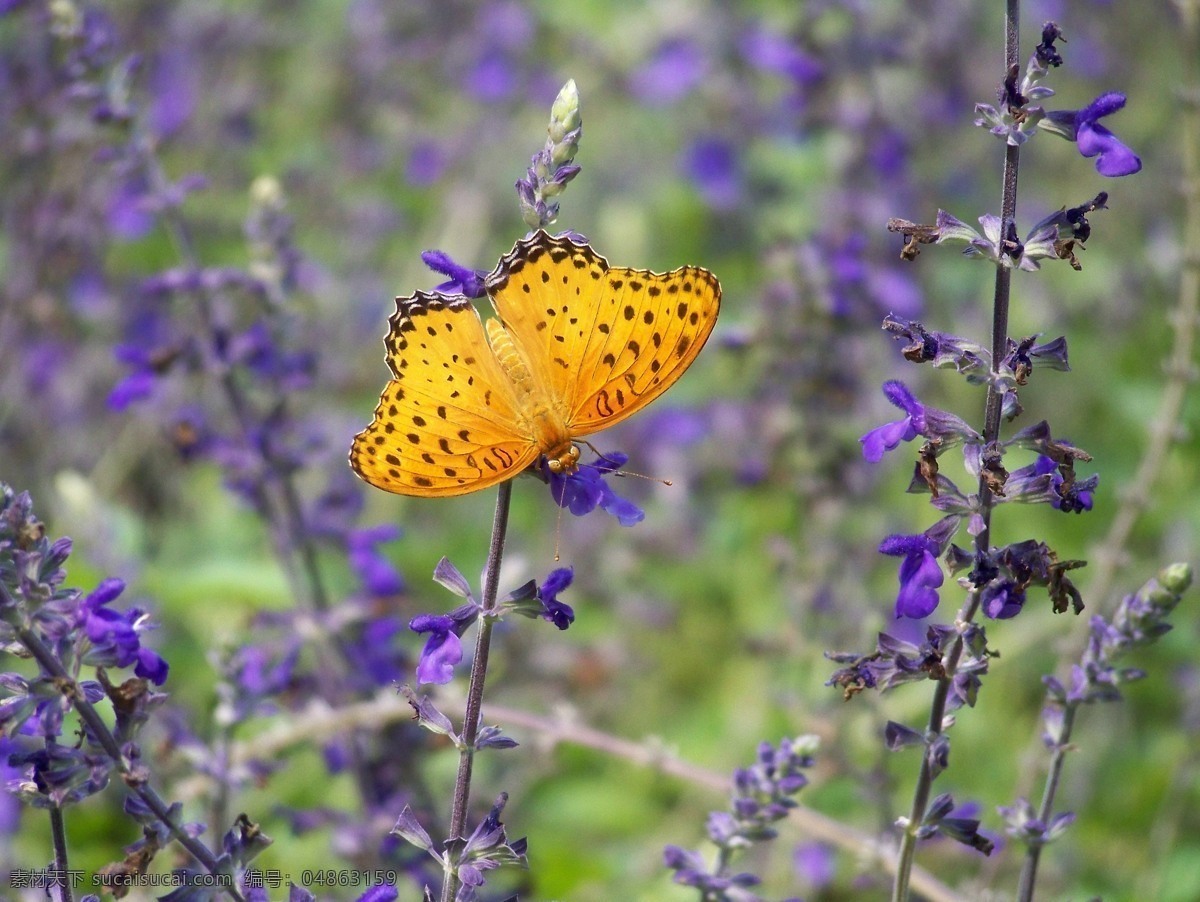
(470, 730)
(1033, 851)
(58, 834)
(991, 432)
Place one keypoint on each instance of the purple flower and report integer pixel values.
(712, 164)
(492, 78)
(130, 209)
(938, 425)
(888, 437)
(174, 81)
(114, 635)
(677, 67)
(920, 573)
(1113, 158)
(555, 611)
(378, 575)
(1074, 498)
(772, 52)
(1002, 599)
(427, 162)
(462, 280)
(815, 864)
(443, 649)
(584, 490)
(1094, 140)
(139, 384)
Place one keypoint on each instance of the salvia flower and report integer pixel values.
(586, 489)
(997, 245)
(896, 661)
(462, 279)
(378, 575)
(114, 635)
(962, 829)
(443, 649)
(488, 848)
(1113, 157)
(939, 348)
(533, 600)
(920, 573)
(557, 612)
(1026, 826)
(944, 428)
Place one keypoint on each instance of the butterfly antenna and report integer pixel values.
(601, 454)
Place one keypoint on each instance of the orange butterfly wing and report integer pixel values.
(449, 422)
(606, 341)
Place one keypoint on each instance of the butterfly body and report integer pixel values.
(541, 416)
(575, 346)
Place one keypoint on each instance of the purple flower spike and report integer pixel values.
(1113, 158)
(887, 437)
(920, 574)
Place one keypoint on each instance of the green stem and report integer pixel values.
(470, 730)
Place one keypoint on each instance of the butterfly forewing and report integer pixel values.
(606, 341)
(653, 327)
(547, 293)
(448, 423)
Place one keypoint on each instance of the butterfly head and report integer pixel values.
(563, 461)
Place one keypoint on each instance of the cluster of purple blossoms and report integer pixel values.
(762, 796)
(1001, 574)
(1019, 116)
(64, 630)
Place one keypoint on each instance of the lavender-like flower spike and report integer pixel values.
(551, 168)
(762, 795)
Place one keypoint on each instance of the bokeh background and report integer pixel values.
(320, 145)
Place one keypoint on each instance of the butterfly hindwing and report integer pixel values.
(448, 423)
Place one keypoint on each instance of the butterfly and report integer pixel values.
(575, 345)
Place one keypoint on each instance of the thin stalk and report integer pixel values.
(471, 716)
(1164, 430)
(1033, 851)
(992, 414)
(62, 876)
